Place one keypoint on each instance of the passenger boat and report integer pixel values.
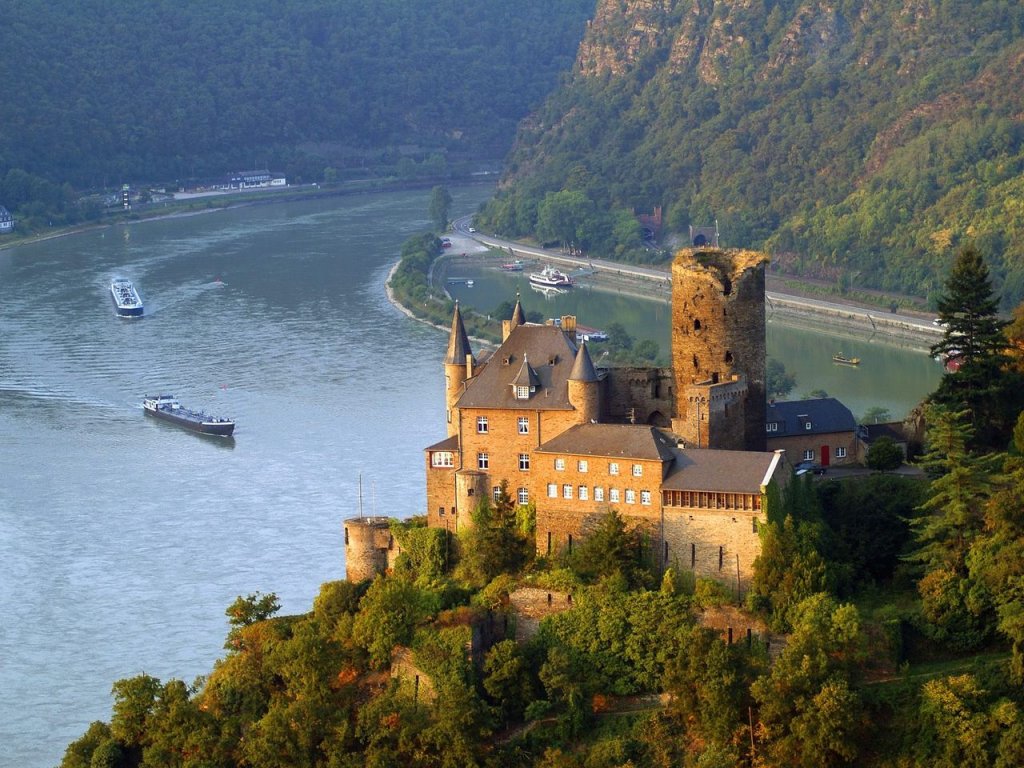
(585, 333)
(513, 266)
(126, 299)
(550, 277)
(168, 408)
(843, 360)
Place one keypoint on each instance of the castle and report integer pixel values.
(678, 452)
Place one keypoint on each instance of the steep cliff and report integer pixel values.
(865, 138)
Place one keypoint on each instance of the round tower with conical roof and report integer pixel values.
(585, 387)
(458, 368)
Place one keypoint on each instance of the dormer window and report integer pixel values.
(523, 393)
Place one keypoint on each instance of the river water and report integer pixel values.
(123, 539)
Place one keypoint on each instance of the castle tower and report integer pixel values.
(370, 548)
(458, 368)
(584, 387)
(718, 347)
(518, 318)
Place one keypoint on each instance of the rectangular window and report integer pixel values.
(481, 425)
(771, 426)
(613, 468)
(524, 461)
(613, 495)
(840, 453)
(566, 491)
(598, 493)
(523, 495)
(442, 459)
(645, 498)
(809, 455)
(693, 555)
(630, 496)
(721, 557)
(559, 464)
(583, 492)
(582, 465)
(552, 490)
(638, 470)
(440, 513)
(524, 425)
(522, 393)
(570, 543)
(807, 425)
(549, 542)
(482, 461)
(496, 492)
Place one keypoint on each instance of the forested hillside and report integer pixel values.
(100, 93)
(865, 140)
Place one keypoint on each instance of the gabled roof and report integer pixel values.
(824, 414)
(708, 469)
(893, 430)
(448, 444)
(615, 441)
(458, 341)
(527, 377)
(551, 356)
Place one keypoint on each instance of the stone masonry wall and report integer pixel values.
(647, 393)
(718, 329)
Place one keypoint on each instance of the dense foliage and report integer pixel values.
(154, 90)
(868, 139)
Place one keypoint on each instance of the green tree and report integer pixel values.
(611, 548)
(493, 544)
(507, 680)
(248, 610)
(388, 614)
(875, 414)
(973, 339)
(778, 381)
(884, 455)
(440, 206)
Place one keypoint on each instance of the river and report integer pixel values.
(123, 539)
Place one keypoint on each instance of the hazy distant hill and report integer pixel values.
(870, 137)
(98, 93)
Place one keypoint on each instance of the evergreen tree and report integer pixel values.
(975, 345)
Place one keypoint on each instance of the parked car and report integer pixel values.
(810, 466)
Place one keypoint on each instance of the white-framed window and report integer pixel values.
(524, 461)
(771, 426)
(566, 491)
(582, 493)
(524, 425)
(523, 495)
(559, 464)
(613, 495)
(840, 453)
(598, 493)
(496, 492)
(483, 461)
(582, 465)
(807, 425)
(442, 459)
(481, 425)
(638, 470)
(645, 498)
(552, 490)
(522, 393)
(613, 468)
(630, 496)
(809, 455)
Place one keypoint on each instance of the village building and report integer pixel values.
(821, 431)
(6, 221)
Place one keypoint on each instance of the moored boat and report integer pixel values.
(513, 266)
(550, 277)
(127, 301)
(844, 360)
(168, 408)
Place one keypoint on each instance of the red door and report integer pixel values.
(825, 455)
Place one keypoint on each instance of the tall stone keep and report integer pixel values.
(718, 347)
(370, 549)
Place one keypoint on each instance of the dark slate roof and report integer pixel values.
(707, 469)
(628, 441)
(551, 356)
(448, 444)
(458, 341)
(892, 430)
(583, 368)
(527, 377)
(825, 415)
(518, 316)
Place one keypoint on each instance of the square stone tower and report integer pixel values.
(718, 347)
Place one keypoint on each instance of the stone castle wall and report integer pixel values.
(644, 394)
(718, 331)
(370, 549)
